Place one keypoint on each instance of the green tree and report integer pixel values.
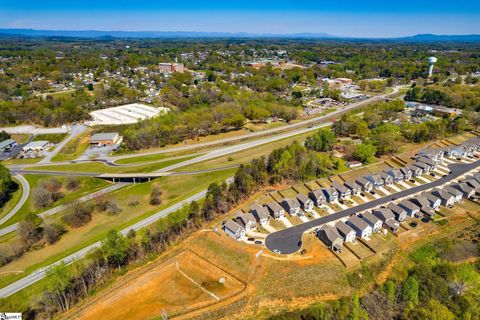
(410, 290)
(59, 280)
(322, 140)
(432, 310)
(115, 248)
(364, 152)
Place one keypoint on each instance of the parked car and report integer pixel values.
(432, 174)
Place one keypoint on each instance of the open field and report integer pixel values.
(87, 185)
(174, 188)
(74, 148)
(181, 284)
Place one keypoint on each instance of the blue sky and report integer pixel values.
(367, 18)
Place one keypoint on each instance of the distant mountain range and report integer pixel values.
(96, 34)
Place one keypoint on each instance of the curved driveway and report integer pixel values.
(23, 199)
(290, 240)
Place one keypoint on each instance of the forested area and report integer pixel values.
(454, 95)
(383, 129)
(437, 284)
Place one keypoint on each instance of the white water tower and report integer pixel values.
(431, 63)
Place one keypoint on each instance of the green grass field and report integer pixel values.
(87, 185)
(175, 189)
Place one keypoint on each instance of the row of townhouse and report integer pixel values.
(424, 205)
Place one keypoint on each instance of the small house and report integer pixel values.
(260, 213)
(343, 192)
(36, 146)
(376, 180)
(246, 220)
(363, 229)
(275, 210)
(407, 173)
(430, 162)
(366, 185)
(330, 238)
(347, 233)
(422, 165)
(416, 171)
(317, 196)
(305, 203)
(457, 194)
(387, 179)
(411, 208)
(446, 199)
(7, 145)
(433, 200)
(331, 194)
(391, 224)
(372, 221)
(105, 139)
(420, 201)
(465, 189)
(461, 151)
(396, 175)
(399, 212)
(383, 214)
(353, 187)
(292, 206)
(234, 230)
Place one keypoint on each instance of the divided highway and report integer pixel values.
(290, 240)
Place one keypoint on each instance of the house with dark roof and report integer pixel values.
(428, 213)
(411, 208)
(366, 185)
(457, 194)
(317, 197)
(234, 230)
(415, 171)
(260, 213)
(376, 180)
(372, 221)
(435, 154)
(292, 206)
(275, 210)
(447, 199)
(305, 203)
(432, 163)
(330, 238)
(383, 214)
(7, 145)
(363, 229)
(407, 172)
(387, 179)
(345, 231)
(246, 220)
(420, 201)
(434, 201)
(353, 186)
(472, 182)
(462, 151)
(343, 192)
(422, 165)
(465, 189)
(396, 174)
(399, 212)
(391, 224)
(331, 194)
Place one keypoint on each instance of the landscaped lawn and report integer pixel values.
(174, 188)
(51, 137)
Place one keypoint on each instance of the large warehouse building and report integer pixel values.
(126, 114)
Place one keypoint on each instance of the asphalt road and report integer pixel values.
(25, 194)
(57, 209)
(76, 130)
(39, 274)
(290, 240)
